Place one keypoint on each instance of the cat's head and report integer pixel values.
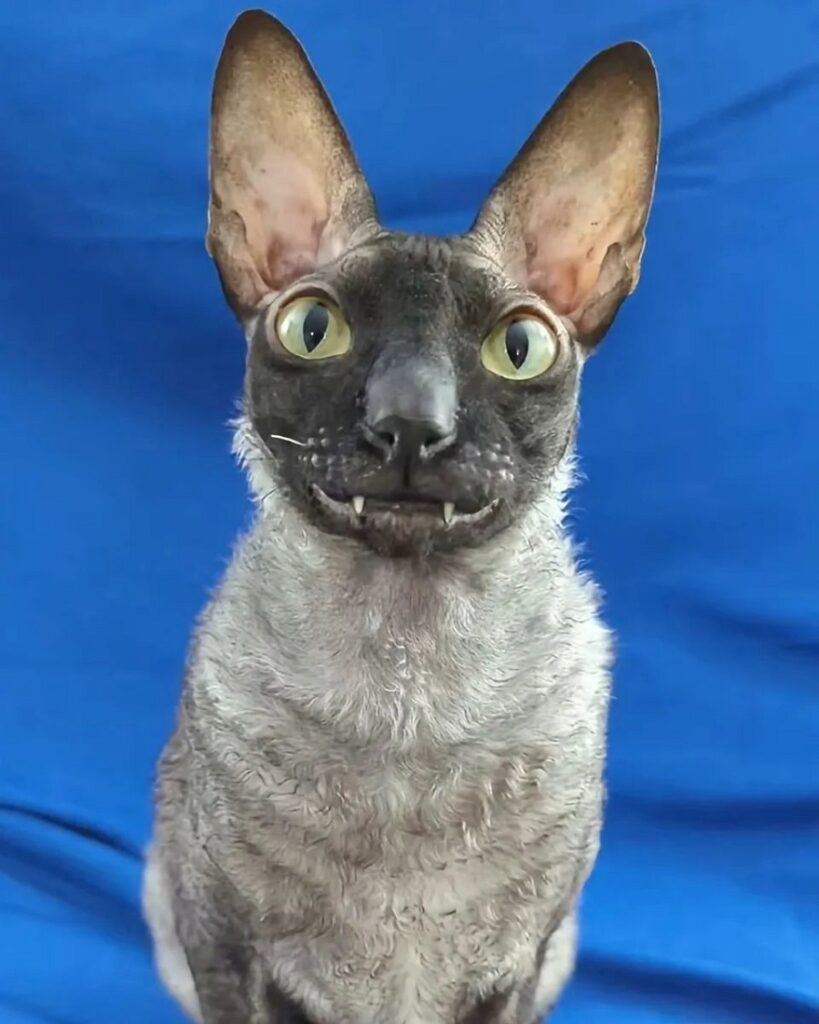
(419, 393)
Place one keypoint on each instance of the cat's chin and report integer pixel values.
(405, 527)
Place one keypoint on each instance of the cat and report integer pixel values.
(383, 794)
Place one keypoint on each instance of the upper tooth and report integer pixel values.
(449, 511)
(358, 504)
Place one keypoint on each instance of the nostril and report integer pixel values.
(381, 437)
(388, 437)
(408, 438)
(430, 433)
(435, 441)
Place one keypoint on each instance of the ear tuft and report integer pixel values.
(567, 218)
(286, 192)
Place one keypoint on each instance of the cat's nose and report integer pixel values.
(401, 438)
(410, 407)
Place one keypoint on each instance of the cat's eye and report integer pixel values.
(519, 348)
(312, 328)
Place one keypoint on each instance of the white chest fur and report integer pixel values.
(413, 765)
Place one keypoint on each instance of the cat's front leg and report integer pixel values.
(531, 999)
(220, 958)
(233, 986)
(205, 955)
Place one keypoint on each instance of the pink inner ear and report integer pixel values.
(285, 212)
(567, 235)
(557, 283)
(293, 245)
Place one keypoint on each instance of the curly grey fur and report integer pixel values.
(385, 785)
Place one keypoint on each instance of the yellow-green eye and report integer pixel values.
(312, 328)
(519, 348)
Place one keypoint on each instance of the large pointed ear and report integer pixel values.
(567, 218)
(286, 192)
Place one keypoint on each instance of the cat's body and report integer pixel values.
(383, 794)
(403, 822)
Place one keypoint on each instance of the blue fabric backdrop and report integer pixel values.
(700, 435)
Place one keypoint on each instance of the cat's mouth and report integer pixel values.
(359, 512)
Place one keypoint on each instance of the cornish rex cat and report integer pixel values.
(383, 793)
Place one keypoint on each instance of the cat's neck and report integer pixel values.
(394, 647)
(528, 560)
(535, 547)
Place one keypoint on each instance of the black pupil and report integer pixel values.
(315, 326)
(517, 343)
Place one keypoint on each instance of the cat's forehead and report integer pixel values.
(420, 275)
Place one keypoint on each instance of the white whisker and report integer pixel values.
(290, 440)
